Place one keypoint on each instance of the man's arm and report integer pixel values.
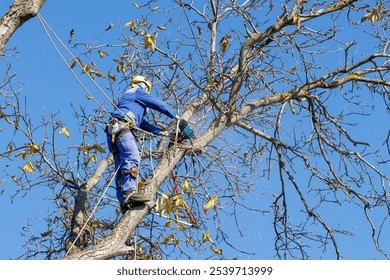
(152, 102)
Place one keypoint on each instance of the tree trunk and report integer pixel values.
(115, 244)
(19, 12)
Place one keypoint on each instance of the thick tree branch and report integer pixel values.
(19, 12)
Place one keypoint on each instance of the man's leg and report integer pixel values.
(129, 157)
(117, 162)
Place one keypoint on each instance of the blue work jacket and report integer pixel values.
(137, 100)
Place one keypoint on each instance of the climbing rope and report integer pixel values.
(50, 33)
(49, 30)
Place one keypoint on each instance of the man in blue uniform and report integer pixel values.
(130, 112)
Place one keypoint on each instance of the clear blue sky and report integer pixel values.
(50, 87)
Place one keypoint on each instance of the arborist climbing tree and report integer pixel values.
(282, 99)
(129, 115)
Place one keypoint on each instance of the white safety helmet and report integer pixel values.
(141, 79)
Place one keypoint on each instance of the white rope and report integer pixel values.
(45, 24)
(48, 28)
(93, 211)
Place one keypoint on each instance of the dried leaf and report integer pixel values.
(158, 204)
(109, 27)
(28, 168)
(212, 202)
(94, 158)
(372, 16)
(98, 74)
(65, 131)
(132, 24)
(206, 237)
(112, 77)
(161, 27)
(73, 65)
(185, 187)
(168, 223)
(23, 154)
(33, 148)
(216, 251)
(14, 178)
(102, 54)
(224, 43)
(149, 43)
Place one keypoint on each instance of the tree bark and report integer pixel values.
(19, 12)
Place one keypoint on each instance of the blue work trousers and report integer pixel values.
(126, 156)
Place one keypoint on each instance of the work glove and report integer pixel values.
(186, 129)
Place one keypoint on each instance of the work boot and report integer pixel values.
(133, 196)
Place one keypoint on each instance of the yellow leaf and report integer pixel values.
(212, 202)
(158, 204)
(65, 131)
(224, 43)
(149, 43)
(132, 24)
(205, 210)
(372, 16)
(86, 68)
(142, 31)
(186, 185)
(125, 56)
(168, 206)
(2, 115)
(23, 154)
(28, 167)
(99, 74)
(2, 181)
(206, 237)
(179, 201)
(161, 27)
(168, 223)
(14, 178)
(102, 54)
(33, 148)
(180, 226)
(216, 251)
(331, 7)
(165, 196)
(93, 158)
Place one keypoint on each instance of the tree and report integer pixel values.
(273, 91)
